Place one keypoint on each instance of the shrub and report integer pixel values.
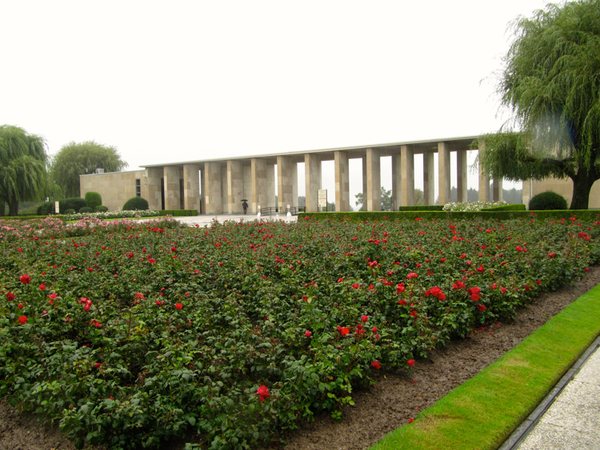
(86, 209)
(45, 208)
(92, 200)
(548, 200)
(69, 211)
(100, 208)
(75, 203)
(135, 203)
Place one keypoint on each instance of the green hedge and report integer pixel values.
(422, 208)
(178, 212)
(512, 207)
(32, 217)
(359, 216)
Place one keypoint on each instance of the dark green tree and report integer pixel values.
(23, 175)
(551, 84)
(76, 159)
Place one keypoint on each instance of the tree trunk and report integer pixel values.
(582, 185)
(13, 208)
(2, 207)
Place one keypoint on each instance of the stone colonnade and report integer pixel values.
(220, 186)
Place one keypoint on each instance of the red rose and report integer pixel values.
(411, 420)
(178, 305)
(365, 318)
(344, 331)
(25, 279)
(410, 362)
(307, 333)
(376, 365)
(10, 296)
(23, 320)
(42, 287)
(481, 308)
(263, 392)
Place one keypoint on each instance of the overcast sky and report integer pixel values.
(189, 80)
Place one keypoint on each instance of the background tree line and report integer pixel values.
(28, 173)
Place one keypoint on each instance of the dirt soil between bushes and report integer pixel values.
(395, 398)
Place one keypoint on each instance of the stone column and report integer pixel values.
(258, 173)
(271, 185)
(364, 181)
(287, 176)
(373, 180)
(444, 169)
(191, 186)
(212, 188)
(428, 178)
(312, 179)
(408, 175)
(527, 189)
(342, 182)
(497, 189)
(461, 176)
(172, 197)
(396, 183)
(152, 178)
(484, 182)
(235, 187)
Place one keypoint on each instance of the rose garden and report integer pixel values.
(126, 334)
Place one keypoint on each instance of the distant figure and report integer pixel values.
(245, 206)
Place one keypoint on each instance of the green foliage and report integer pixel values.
(22, 168)
(136, 203)
(69, 211)
(74, 203)
(386, 200)
(513, 207)
(100, 208)
(152, 331)
(93, 199)
(550, 83)
(422, 208)
(548, 200)
(178, 212)
(86, 209)
(45, 208)
(76, 159)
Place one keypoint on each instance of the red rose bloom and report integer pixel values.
(410, 362)
(178, 305)
(263, 392)
(25, 279)
(10, 296)
(23, 320)
(481, 308)
(376, 365)
(365, 318)
(307, 333)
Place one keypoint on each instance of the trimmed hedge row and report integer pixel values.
(359, 216)
(178, 212)
(422, 208)
(512, 207)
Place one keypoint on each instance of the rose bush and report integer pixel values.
(145, 331)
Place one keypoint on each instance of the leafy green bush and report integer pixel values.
(548, 200)
(92, 200)
(45, 208)
(75, 203)
(100, 208)
(136, 203)
(86, 209)
(69, 211)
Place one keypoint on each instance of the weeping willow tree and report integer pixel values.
(23, 174)
(551, 84)
(76, 159)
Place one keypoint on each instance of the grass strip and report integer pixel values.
(483, 412)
